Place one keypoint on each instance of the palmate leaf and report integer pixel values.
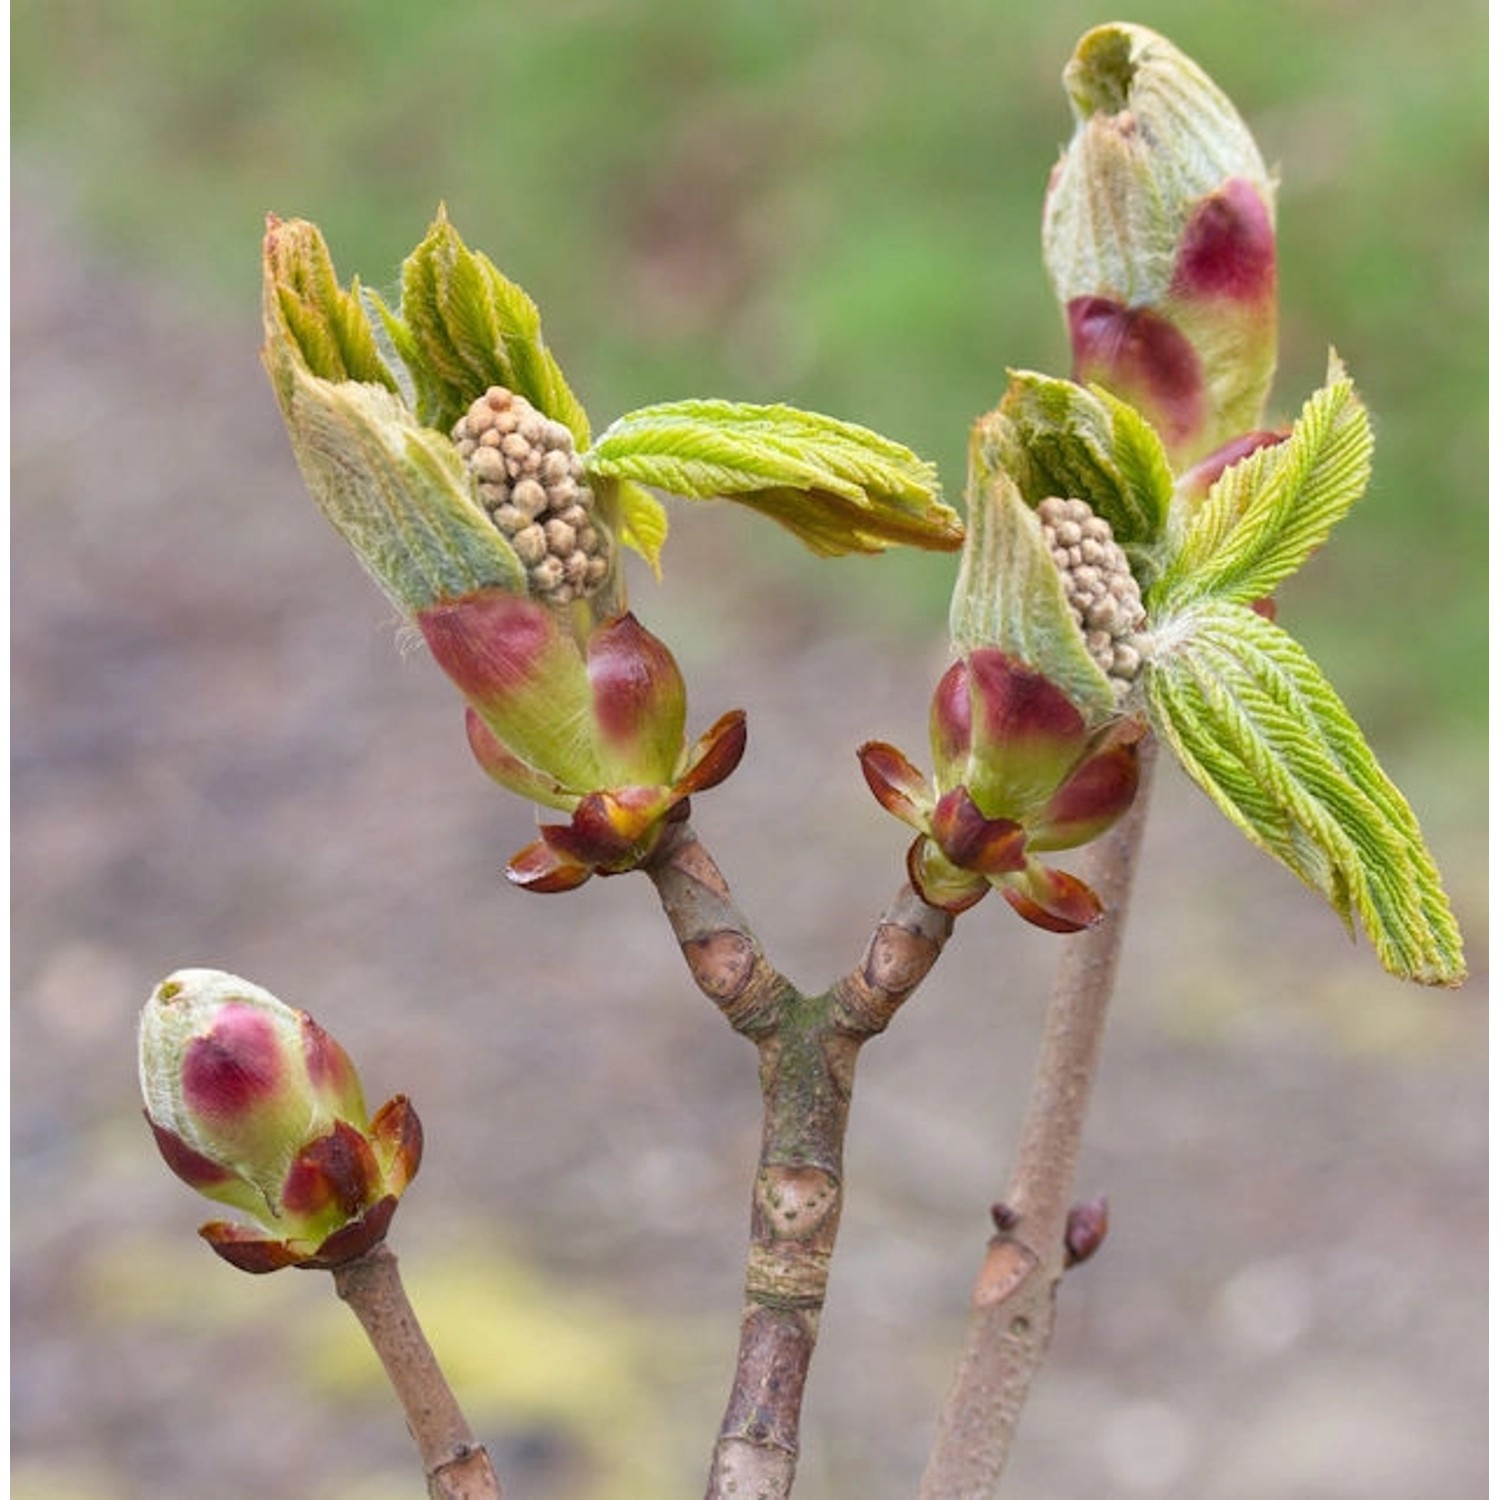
(463, 327)
(1081, 441)
(838, 487)
(1266, 514)
(1257, 725)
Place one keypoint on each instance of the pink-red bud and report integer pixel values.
(594, 729)
(253, 1104)
(1018, 770)
(1159, 237)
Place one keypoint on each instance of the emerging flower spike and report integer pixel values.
(253, 1104)
(1100, 588)
(531, 482)
(1018, 771)
(473, 508)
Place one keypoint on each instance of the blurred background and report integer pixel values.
(224, 755)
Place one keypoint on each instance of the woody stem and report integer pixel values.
(457, 1467)
(808, 1046)
(1013, 1301)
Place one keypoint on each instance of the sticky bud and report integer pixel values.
(1018, 771)
(254, 1105)
(1159, 237)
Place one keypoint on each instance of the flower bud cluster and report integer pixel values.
(1100, 588)
(530, 481)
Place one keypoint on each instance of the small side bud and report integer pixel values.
(1088, 1223)
(1004, 1217)
(253, 1104)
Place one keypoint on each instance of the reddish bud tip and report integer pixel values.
(1144, 359)
(248, 1250)
(396, 1133)
(336, 1175)
(718, 751)
(1052, 899)
(541, 868)
(1228, 247)
(898, 786)
(640, 702)
(1088, 1223)
(987, 846)
(950, 722)
(1096, 794)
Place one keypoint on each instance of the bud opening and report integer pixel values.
(530, 480)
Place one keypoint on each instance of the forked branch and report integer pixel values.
(808, 1046)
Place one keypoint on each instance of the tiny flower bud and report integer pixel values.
(1159, 237)
(531, 481)
(1102, 593)
(253, 1104)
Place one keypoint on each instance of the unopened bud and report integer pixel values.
(1159, 237)
(1019, 770)
(1088, 1223)
(253, 1104)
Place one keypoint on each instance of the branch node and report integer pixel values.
(1008, 1264)
(721, 964)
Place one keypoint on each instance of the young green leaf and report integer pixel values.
(838, 487)
(395, 490)
(1265, 515)
(638, 517)
(464, 327)
(398, 494)
(1009, 594)
(305, 306)
(1257, 725)
(1088, 444)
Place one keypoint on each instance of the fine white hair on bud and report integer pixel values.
(531, 482)
(1100, 588)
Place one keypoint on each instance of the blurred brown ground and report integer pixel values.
(225, 756)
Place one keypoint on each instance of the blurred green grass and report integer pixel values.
(834, 205)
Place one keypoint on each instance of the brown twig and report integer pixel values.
(1011, 1318)
(457, 1468)
(808, 1047)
